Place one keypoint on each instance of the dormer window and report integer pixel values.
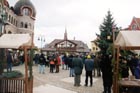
(26, 11)
(26, 26)
(134, 27)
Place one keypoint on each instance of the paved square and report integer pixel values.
(71, 80)
(51, 89)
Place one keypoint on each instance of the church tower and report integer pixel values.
(20, 18)
(65, 34)
(26, 13)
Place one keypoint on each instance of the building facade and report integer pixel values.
(18, 19)
(66, 46)
(94, 47)
(134, 25)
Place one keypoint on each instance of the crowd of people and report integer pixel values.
(94, 65)
(129, 69)
(132, 63)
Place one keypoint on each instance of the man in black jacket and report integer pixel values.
(42, 62)
(106, 69)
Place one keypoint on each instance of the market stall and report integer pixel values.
(126, 40)
(23, 42)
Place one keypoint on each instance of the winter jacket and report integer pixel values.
(137, 72)
(42, 60)
(78, 65)
(89, 64)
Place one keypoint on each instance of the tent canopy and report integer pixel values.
(15, 40)
(128, 39)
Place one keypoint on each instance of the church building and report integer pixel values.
(17, 19)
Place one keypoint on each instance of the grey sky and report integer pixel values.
(82, 18)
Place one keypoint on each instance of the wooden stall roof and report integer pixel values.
(15, 41)
(128, 40)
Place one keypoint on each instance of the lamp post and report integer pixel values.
(41, 38)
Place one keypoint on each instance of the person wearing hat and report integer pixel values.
(89, 65)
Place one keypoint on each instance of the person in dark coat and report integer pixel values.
(9, 61)
(97, 69)
(42, 62)
(137, 76)
(133, 63)
(36, 58)
(66, 59)
(106, 69)
(78, 66)
(89, 65)
(124, 68)
(137, 71)
(63, 61)
(71, 66)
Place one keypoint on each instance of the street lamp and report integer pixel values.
(41, 39)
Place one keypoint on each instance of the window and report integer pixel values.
(9, 32)
(96, 48)
(30, 25)
(26, 11)
(12, 20)
(134, 27)
(9, 19)
(21, 24)
(93, 48)
(16, 22)
(26, 26)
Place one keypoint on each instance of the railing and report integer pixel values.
(14, 85)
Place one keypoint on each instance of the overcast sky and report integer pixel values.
(81, 18)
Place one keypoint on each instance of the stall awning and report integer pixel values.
(128, 38)
(15, 40)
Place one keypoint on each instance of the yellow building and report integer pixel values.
(94, 47)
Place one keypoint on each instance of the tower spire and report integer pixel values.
(65, 34)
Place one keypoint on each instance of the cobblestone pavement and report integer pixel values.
(62, 80)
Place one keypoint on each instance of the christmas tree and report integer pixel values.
(105, 40)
